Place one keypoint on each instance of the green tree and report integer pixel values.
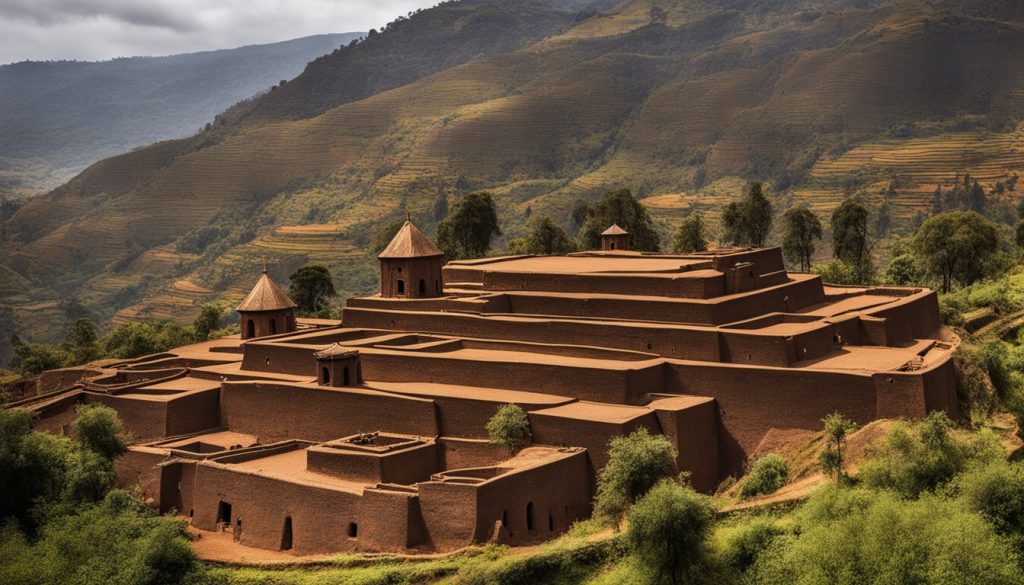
(996, 491)
(800, 229)
(691, 236)
(312, 288)
(766, 476)
(853, 536)
(850, 237)
(635, 463)
(837, 428)
(469, 227)
(903, 270)
(749, 221)
(620, 208)
(836, 272)
(1018, 234)
(80, 343)
(958, 246)
(98, 429)
(545, 238)
(32, 359)
(207, 321)
(440, 206)
(509, 428)
(668, 533)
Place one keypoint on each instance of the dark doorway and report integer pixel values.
(250, 328)
(551, 522)
(224, 513)
(504, 518)
(286, 534)
(612, 246)
(273, 326)
(345, 381)
(325, 376)
(529, 516)
(423, 287)
(401, 286)
(353, 530)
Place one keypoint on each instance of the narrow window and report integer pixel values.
(529, 516)
(224, 512)
(551, 522)
(273, 326)
(401, 286)
(504, 518)
(359, 373)
(437, 287)
(286, 534)
(353, 530)
(325, 376)
(250, 328)
(344, 377)
(423, 287)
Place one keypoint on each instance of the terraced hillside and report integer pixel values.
(550, 102)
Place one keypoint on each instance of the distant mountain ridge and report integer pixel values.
(542, 103)
(57, 117)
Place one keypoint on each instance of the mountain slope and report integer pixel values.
(680, 101)
(58, 117)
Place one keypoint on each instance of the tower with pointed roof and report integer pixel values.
(266, 311)
(410, 267)
(614, 238)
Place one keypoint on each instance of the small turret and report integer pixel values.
(615, 238)
(266, 311)
(410, 267)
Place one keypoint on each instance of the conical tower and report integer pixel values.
(266, 311)
(410, 267)
(614, 238)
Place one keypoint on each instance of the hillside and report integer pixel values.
(58, 117)
(549, 103)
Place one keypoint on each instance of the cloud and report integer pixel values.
(104, 29)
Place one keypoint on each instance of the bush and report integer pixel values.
(741, 544)
(922, 459)
(854, 536)
(98, 429)
(836, 272)
(509, 428)
(668, 533)
(766, 475)
(996, 491)
(635, 463)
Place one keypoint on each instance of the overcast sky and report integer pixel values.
(103, 29)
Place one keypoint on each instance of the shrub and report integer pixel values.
(98, 429)
(836, 272)
(509, 428)
(853, 536)
(635, 463)
(741, 544)
(996, 491)
(837, 427)
(668, 533)
(766, 475)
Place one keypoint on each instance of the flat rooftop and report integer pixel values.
(587, 264)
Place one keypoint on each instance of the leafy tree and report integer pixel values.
(749, 221)
(469, 227)
(580, 211)
(1018, 233)
(311, 288)
(837, 428)
(440, 205)
(766, 476)
(883, 219)
(850, 236)
(691, 235)
(545, 238)
(849, 536)
(82, 333)
(903, 270)
(207, 321)
(509, 428)
(635, 463)
(620, 208)
(958, 246)
(141, 338)
(836, 272)
(98, 429)
(668, 533)
(996, 491)
(32, 359)
(800, 228)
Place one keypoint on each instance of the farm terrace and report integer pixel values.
(369, 434)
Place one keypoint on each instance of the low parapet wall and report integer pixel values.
(277, 411)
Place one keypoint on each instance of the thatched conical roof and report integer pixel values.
(266, 296)
(410, 242)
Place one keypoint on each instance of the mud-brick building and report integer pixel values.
(368, 433)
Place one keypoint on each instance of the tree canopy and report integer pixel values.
(748, 222)
(668, 533)
(544, 238)
(958, 247)
(468, 229)
(635, 463)
(311, 288)
(691, 236)
(850, 236)
(620, 208)
(509, 428)
(800, 229)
